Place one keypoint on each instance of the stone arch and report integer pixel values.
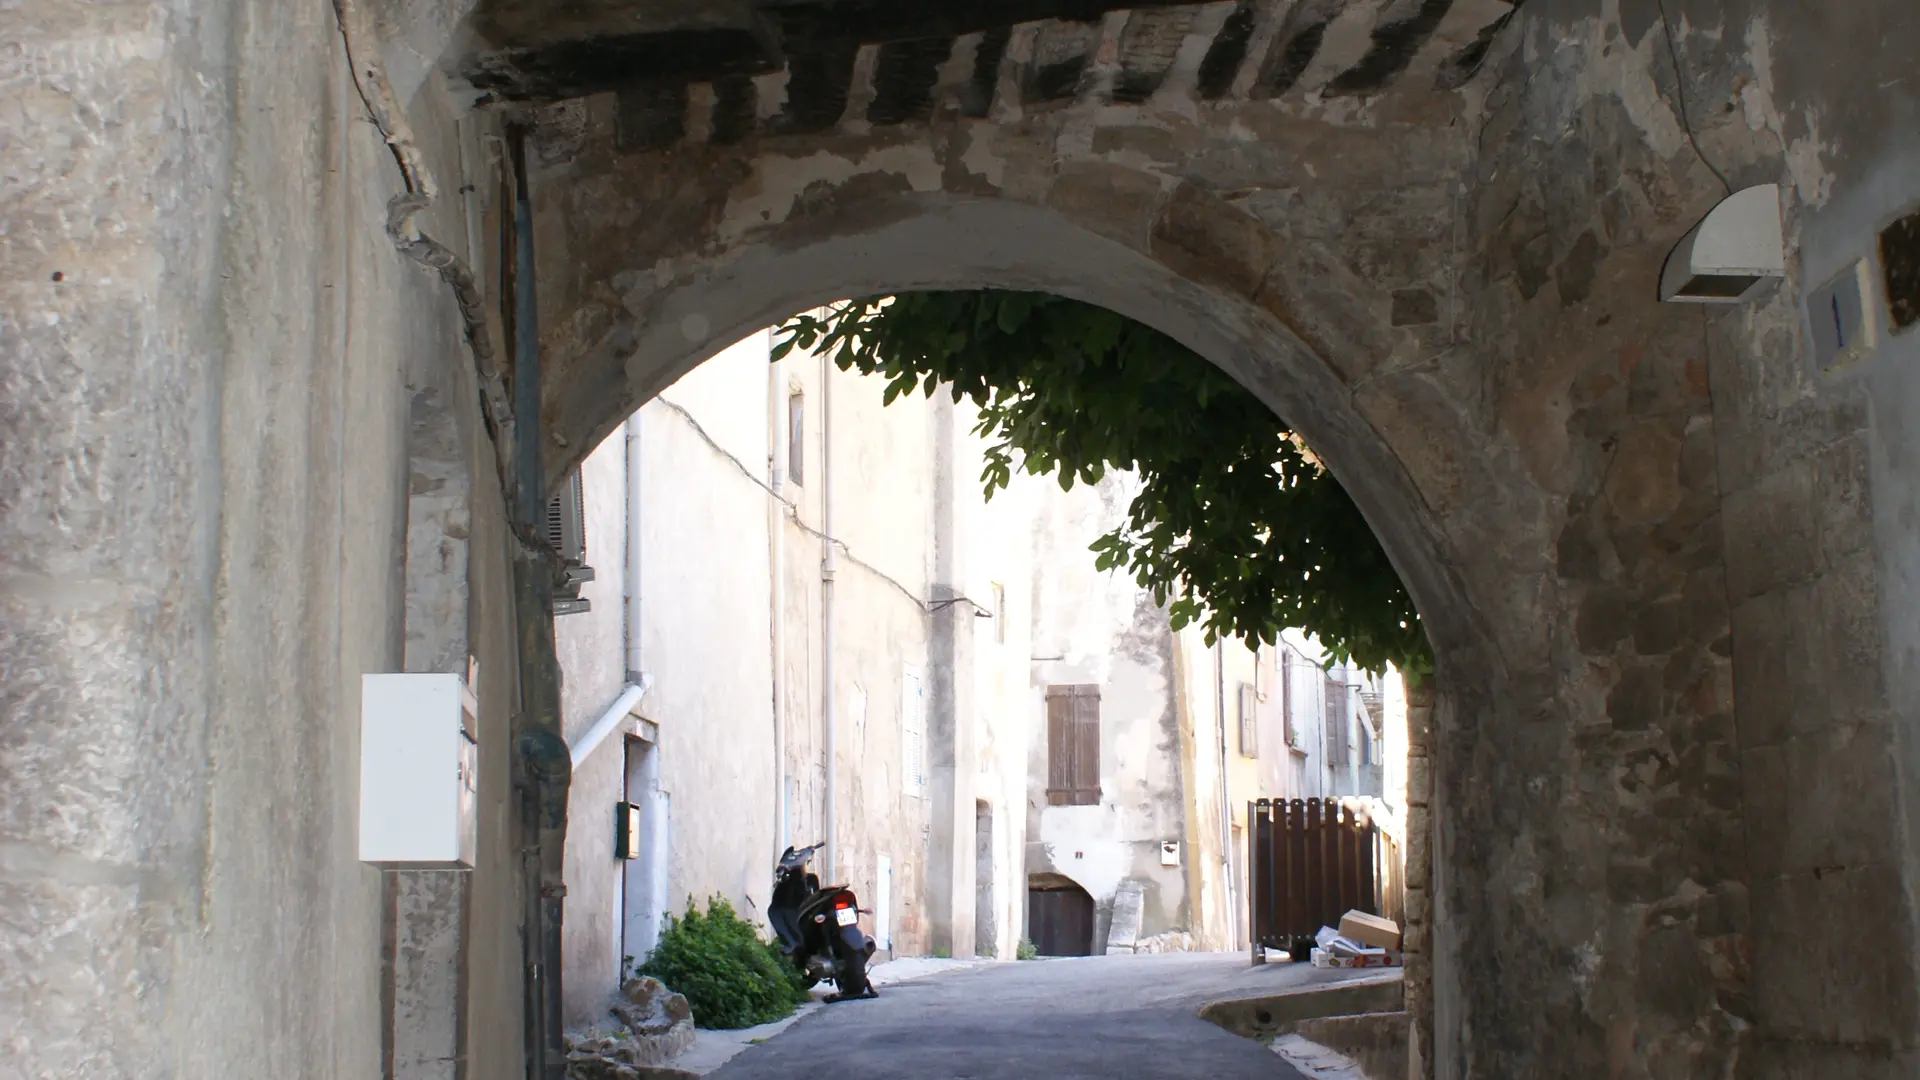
(1395, 451)
(1336, 249)
(1401, 426)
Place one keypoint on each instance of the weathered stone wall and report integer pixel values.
(208, 348)
(1715, 532)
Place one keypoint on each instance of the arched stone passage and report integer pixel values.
(1642, 509)
(1530, 436)
(1393, 409)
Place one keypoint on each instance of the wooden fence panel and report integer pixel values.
(1309, 862)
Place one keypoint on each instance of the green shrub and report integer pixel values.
(731, 977)
(1026, 950)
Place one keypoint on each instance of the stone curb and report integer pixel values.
(1314, 1061)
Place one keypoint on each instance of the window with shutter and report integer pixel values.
(796, 438)
(1073, 745)
(1336, 723)
(1286, 699)
(1249, 721)
(565, 531)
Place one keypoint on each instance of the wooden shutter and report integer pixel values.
(566, 524)
(1086, 749)
(796, 438)
(1286, 697)
(1336, 723)
(1249, 721)
(1059, 744)
(1073, 745)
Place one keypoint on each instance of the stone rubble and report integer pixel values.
(1170, 942)
(654, 1025)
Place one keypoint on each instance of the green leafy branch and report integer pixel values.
(1236, 525)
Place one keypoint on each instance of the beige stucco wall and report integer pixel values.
(1101, 629)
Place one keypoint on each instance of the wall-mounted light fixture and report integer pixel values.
(1733, 255)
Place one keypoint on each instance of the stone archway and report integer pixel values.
(1340, 259)
(1429, 244)
(1467, 526)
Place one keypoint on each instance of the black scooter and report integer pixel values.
(819, 929)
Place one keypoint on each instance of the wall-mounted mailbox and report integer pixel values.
(1169, 853)
(626, 830)
(418, 760)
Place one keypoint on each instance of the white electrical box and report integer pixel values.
(1169, 853)
(418, 756)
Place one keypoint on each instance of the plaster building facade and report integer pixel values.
(1154, 742)
(707, 527)
(290, 342)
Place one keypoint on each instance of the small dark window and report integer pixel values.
(1900, 263)
(1073, 745)
(796, 437)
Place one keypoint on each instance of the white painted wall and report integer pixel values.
(714, 464)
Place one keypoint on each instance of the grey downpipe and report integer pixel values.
(545, 765)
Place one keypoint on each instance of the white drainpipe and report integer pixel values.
(634, 547)
(1226, 805)
(611, 720)
(827, 566)
(638, 681)
(777, 592)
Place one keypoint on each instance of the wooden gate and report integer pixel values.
(1060, 920)
(1309, 861)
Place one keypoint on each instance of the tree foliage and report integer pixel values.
(1236, 525)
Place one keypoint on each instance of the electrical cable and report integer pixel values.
(1680, 97)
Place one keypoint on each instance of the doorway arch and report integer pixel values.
(1060, 916)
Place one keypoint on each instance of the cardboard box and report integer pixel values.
(1370, 930)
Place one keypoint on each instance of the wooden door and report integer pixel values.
(1060, 920)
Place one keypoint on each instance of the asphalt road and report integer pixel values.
(1100, 1017)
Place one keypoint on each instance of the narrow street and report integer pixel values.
(1098, 1017)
